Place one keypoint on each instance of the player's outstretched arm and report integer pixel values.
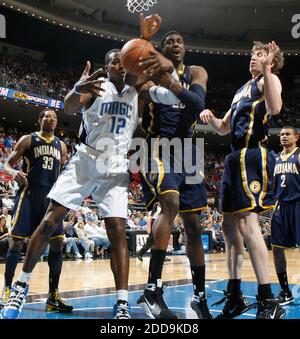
(271, 83)
(85, 89)
(21, 147)
(220, 126)
(64, 151)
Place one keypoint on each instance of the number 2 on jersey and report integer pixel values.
(117, 124)
(283, 181)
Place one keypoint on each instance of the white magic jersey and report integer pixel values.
(110, 122)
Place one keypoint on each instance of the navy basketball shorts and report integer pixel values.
(285, 225)
(31, 204)
(247, 181)
(165, 177)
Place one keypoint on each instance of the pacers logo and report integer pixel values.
(255, 186)
(2, 27)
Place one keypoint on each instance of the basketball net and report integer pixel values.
(140, 5)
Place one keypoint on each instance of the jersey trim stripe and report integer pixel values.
(265, 176)
(251, 122)
(48, 141)
(245, 179)
(19, 207)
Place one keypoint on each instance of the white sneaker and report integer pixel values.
(88, 255)
(78, 255)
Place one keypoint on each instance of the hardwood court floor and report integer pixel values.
(91, 274)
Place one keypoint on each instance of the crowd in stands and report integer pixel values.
(26, 74)
(33, 76)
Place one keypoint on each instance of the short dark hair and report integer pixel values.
(163, 39)
(43, 112)
(292, 128)
(114, 50)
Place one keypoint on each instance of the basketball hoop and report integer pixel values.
(140, 5)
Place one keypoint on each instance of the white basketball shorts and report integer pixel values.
(81, 178)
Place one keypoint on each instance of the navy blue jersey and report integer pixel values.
(42, 160)
(287, 177)
(171, 121)
(249, 118)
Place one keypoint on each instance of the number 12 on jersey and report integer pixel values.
(117, 124)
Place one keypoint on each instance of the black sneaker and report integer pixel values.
(285, 298)
(235, 305)
(54, 303)
(269, 309)
(153, 303)
(199, 305)
(139, 256)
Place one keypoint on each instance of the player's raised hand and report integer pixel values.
(21, 178)
(90, 84)
(206, 116)
(149, 25)
(268, 61)
(156, 63)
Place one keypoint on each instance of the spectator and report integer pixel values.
(4, 238)
(87, 244)
(7, 217)
(70, 240)
(6, 202)
(13, 185)
(93, 233)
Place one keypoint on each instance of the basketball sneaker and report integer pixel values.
(121, 310)
(153, 303)
(284, 298)
(269, 309)
(199, 305)
(55, 303)
(235, 305)
(16, 301)
(4, 296)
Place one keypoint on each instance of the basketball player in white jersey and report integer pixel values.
(99, 168)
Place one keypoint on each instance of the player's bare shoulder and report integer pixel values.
(24, 142)
(198, 75)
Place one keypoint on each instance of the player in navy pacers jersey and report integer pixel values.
(43, 154)
(177, 94)
(285, 229)
(247, 178)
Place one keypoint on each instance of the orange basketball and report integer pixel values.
(132, 51)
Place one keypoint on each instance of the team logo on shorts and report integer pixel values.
(255, 186)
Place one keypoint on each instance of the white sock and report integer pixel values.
(122, 295)
(24, 277)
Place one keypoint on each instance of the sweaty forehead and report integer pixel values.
(174, 37)
(287, 130)
(50, 113)
(259, 50)
(114, 55)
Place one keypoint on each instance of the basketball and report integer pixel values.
(132, 51)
